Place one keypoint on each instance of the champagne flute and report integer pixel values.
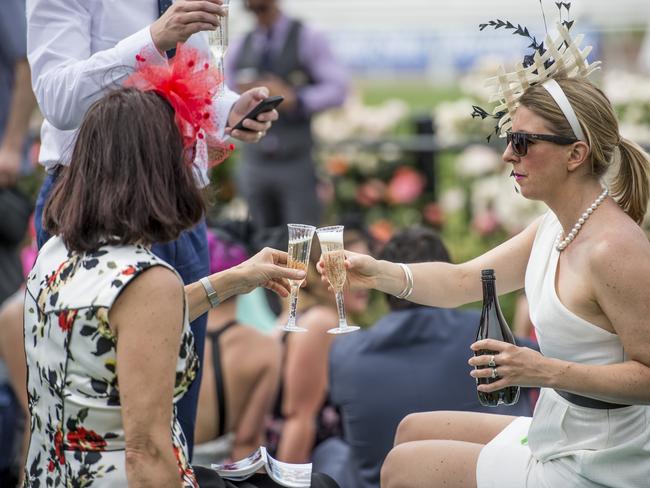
(331, 243)
(300, 237)
(218, 41)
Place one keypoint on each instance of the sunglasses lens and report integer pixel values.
(519, 143)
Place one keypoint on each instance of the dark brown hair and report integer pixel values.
(413, 245)
(129, 179)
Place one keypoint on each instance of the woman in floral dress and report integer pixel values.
(108, 345)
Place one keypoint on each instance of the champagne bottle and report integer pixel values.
(493, 326)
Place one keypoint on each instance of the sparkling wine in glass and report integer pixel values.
(331, 244)
(300, 237)
(218, 40)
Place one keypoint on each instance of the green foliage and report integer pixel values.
(419, 95)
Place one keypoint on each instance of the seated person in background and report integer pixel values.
(303, 417)
(240, 375)
(412, 360)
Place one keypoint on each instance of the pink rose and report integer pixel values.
(405, 186)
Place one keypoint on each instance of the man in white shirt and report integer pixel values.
(77, 50)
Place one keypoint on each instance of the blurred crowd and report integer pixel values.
(313, 397)
(335, 401)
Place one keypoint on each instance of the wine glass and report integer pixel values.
(331, 243)
(300, 237)
(218, 41)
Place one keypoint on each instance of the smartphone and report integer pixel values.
(265, 105)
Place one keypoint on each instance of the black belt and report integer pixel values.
(587, 402)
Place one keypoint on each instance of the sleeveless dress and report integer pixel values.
(77, 435)
(565, 444)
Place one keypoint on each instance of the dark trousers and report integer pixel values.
(189, 256)
(280, 192)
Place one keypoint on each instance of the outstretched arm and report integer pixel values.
(443, 284)
(267, 268)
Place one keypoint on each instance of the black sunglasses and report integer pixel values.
(520, 141)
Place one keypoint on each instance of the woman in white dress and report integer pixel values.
(586, 275)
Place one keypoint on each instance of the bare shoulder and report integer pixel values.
(624, 243)
(159, 278)
(156, 290)
(620, 258)
(319, 318)
(254, 340)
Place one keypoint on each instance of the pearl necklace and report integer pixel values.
(561, 244)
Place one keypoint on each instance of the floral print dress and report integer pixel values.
(77, 437)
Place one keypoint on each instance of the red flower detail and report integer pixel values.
(50, 466)
(382, 230)
(371, 192)
(485, 222)
(129, 271)
(337, 165)
(184, 469)
(85, 440)
(58, 449)
(405, 186)
(186, 87)
(206, 115)
(53, 278)
(231, 147)
(200, 135)
(66, 319)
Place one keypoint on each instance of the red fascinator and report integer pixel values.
(189, 82)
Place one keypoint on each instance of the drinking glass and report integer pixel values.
(331, 244)
(218, 41)
(300, 237)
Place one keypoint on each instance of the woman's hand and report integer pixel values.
(514, 365)
(184, 19)
(361, 270)
(268, 268)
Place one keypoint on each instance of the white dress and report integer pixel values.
(565, 445)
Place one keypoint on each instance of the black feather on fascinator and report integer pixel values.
(551, 58)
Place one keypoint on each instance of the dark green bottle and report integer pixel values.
(493, 326)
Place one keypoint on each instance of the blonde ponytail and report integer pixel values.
(630, 187)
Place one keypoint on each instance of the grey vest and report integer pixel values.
(290, 137)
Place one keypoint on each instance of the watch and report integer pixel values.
(210, 291)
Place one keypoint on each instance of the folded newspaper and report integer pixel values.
(285, 474)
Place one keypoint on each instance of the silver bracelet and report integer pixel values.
(210, 291)
(408, 289)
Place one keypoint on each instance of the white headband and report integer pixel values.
(554, 88)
